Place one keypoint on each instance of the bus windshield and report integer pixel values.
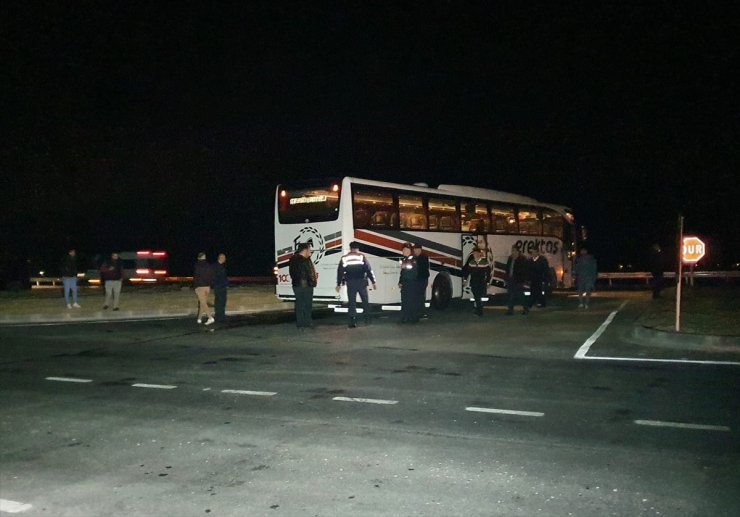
(308, 205)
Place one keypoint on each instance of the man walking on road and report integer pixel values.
(111, 274)
(540, 277)
(202, 281)
(354, 271)
(477, 271)
(220, 287)
(422, 281)
(407, 282)
(303, 275)
(586, 272)
(657, 265)
(517, 274)
(69, 278)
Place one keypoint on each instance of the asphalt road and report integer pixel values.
(454, 416)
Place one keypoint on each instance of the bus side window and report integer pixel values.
(362, 218)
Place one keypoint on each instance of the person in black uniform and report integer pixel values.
(354, 270)
(657, 265)
(220, 287)
(540, 270)
(479, 270)
(409, 287)
(422, 279)
(517, 274)
(304, 277)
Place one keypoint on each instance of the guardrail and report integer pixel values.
(688, 276)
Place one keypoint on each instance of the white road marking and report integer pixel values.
(367, 401)
(681, 425)
(155, 386)
(8, 506)
(503, 411)
(581, 353)
(249, 392)
(648, 360)
(67, 379)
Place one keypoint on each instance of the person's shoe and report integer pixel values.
(210, 320)
(525, 312)
(76, 306)
(105, 307)
(115, 308)
(352, 323)
(69, 305)
(580, 306)
(199, 320)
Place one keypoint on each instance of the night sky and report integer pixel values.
(136, 125)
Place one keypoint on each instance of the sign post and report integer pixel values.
(692, 250)
(679, 273)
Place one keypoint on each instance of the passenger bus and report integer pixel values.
(139, 267)
(448, 221)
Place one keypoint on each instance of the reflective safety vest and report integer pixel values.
(354, 266)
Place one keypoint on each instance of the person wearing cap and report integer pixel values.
(477, 274)
(202, 280)
(354, 271)
(422, 278)
(408, 284)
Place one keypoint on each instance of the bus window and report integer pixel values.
(412, 214)
(443, 215)
(474, 218)
(529, 223)
(308, 204)
(504, 220)
(373, 210)
(552, 223)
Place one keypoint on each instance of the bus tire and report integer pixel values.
(441, 292)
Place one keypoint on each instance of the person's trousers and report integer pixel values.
(516, 296)
(538, 295)
(202, 294)
(657, 285)
(303, 306)
(409, 303)
(479, 292)
(112, 292)
(219, 303)
(70, 286)
(355, 287)
(421, 296)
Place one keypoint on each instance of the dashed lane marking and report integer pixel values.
(682, 425)
(250, 392)
(67, 379)
(503, 411)
(8, 506)
(366, 401)
(155, 386)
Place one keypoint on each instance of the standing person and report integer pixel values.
(657, 265)
(303, 275)
(354, 270)
(202, 281)
(517, 274)
(220, 287)
(477, 273)
(540, 277)
(586, 273)
(111, 274)
(422, 280)
(69, 278)
(409, 286)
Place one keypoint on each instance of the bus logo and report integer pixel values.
(314, 239)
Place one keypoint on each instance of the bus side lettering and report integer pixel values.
(528, 246)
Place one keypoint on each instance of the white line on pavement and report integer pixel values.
(681, 425)
(155, 386)
(249, 392)
(8, 506)
(503, 411)
(67, 379)
(367, 401)
(648, 360)
(581, 353)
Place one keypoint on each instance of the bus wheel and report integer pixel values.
(441, 292)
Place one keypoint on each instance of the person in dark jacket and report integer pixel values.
(477, 272)
(354, 271)
(303, 276)
(202, 281)
(111, 274)
(422, 280)
(657, 266)
(69, 278)
(220, 287)
(540, 271)
(517, 275)
(407, 282)
(586, 273)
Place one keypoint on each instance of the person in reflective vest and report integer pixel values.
(477, 272)
(354, 271)
(408, 284)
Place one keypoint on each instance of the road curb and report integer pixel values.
(671, 339)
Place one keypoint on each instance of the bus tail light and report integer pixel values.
(143, 271)
(160, 271)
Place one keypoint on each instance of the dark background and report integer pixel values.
(137, 125)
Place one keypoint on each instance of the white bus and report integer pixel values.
(448, 221)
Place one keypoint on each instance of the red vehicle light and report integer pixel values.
(160, 271)
(159, 254)
(145, 253)
(144, 271)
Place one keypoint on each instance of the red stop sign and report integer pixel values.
(693, 250)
